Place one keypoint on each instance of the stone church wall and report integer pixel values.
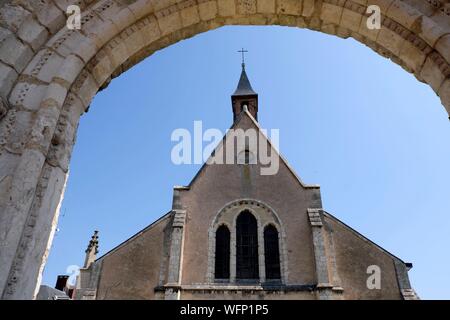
(132, 271)
(354, 254)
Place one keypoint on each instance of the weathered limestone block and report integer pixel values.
(42, 67)
(189, 13)
(207, 9)
(314, 23)
(43, 127)
(13, 16)
(55, 95)
(133, 39)
(308, 7)
(62, 144)
(7, 78)
(65, 133)
(141, 8)
(412, 56)
(8, 162)
(390, 40)
(117, 52)
(430, 31)
(38, 234)
(48, 14)
(362, 2)
(246, 6)
(15, 211)
(292, 7)
(161, 4)
(425, 7)
(103, 67)
(431, 74)
(69, 69)
(66, 43)
(328, 28)
(105, 10)
(265, 6)
(226, 8)
(27, 95)
(343, 32)
(331, 13)
(73, 110)
(151, 30)
(4, 34)
(33, 33)
(443, 47)
(403, 13)
(15, 131)
(168, 20)
(63, 4)
(15, 53)
(351, 20)
(86, 88)
(122, 19)
(102, 32)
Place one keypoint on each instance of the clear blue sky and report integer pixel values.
(374, 138)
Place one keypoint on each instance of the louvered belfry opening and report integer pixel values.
(272, 253)
(222, 264)
(247, 247)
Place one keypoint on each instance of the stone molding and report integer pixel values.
(324, 258)
(264, 215)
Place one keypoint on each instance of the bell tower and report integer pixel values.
(244, 96)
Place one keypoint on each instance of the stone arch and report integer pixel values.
(49, 75)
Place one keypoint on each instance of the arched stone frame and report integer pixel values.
(280, 242)
(212, 250)
(264, 215)
(49, 75)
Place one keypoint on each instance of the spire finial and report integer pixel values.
(243, 51)
(92, 250)
(93, 243)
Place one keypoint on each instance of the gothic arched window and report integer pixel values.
(272, 253)
(222, 265)
(246, 246)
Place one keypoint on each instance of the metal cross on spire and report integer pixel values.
(243, 56)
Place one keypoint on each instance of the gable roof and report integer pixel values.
(245, 112)
(137, 234)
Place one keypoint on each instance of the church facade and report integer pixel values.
(234, 233)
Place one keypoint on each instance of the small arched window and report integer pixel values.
(246, 246)
(222, 263)
(272, 253)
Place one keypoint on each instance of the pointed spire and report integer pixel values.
(244, 87)
(92, 250)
